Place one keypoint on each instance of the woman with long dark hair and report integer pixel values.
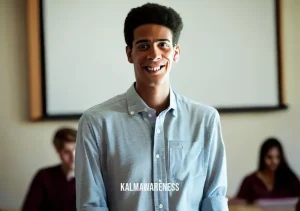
(273, 178)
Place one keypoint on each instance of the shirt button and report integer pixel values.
(131, 112)
(159, 180)
(161, 206)
(157, 155)
(150, 115)
(158, 130)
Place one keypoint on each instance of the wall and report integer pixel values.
(26, 146)
(243, 133)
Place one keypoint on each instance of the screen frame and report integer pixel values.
(37, 68)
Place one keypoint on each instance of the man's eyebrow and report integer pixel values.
(160, 40)
(157, 40)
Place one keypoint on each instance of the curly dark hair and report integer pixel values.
(152, 13)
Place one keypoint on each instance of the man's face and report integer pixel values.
(152, 54)
(67, 155)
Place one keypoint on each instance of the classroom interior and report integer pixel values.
(25, 145)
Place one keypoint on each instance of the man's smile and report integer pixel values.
(153, 69)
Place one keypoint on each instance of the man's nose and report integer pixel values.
(154, 55)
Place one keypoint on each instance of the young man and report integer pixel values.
(151, 135)
(53, 188)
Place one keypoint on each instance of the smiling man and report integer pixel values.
(151, 148)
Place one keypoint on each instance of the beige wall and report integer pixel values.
(26, 146)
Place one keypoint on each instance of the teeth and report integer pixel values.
(153, 68)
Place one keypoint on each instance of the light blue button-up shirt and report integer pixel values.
(123, 146)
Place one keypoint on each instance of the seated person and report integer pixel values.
(53, 188)
(273, 178)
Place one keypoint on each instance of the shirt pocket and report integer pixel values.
(186, 159)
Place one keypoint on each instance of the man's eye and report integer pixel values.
(164, 45)
(143, 47)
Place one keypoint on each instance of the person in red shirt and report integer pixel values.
(53, 188)
(273, 178)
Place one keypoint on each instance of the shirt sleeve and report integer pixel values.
(34, 197)
(215, 187)
(90, 188)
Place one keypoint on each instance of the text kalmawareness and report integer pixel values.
(149, 186)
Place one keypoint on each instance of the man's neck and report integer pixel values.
(69, 173)
(156, 97)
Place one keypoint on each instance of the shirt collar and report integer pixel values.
(136, 104)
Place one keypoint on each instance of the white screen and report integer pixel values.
(228, 53)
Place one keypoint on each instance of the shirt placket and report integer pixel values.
(159, 164)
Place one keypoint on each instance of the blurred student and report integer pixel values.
(53, 188)
(273, 178)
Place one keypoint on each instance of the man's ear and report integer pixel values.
(128, 53)
(176, 54)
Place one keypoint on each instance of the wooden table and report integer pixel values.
(9, 209)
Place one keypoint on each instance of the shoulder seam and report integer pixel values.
(107, 103)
